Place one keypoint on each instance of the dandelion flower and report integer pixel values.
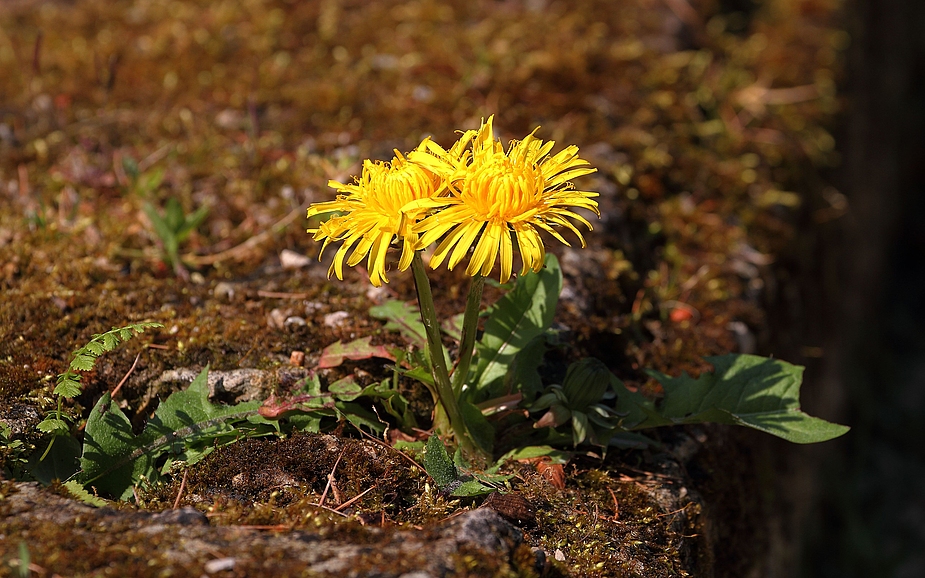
(495, 195)
(370, 215)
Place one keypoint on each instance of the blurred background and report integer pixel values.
(869, 519)
(724, 131)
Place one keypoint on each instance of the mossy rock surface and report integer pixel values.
(708, 130)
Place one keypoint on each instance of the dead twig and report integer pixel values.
(246, 246)
(327, 487)
(176, 503)
(278, 295)
(616, 505)
(353, 500)
(125, 378)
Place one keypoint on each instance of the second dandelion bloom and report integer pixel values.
(496, 196)
(370, 215)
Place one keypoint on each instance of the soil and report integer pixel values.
(706, 121)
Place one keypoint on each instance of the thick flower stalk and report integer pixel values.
(370, 215)
(497, 196)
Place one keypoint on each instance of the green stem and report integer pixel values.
(52, 441)
(469, 329)
(437, 358)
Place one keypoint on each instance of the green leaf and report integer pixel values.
(75, 489)
(514, 321)
(472, 488)
(402, 317)
(359, 416)
(184, 426)
(95, 348)
(555, 456)
(108, 446)
(746, 390)
(110, 341)
(580, 427)
(191, 222)
(393, 402)
(304, 422)
(53, 425)
(68, 385)
(438, 464)
(481, 431)
(637, 411)
(173, 215)
(524, 375)
(61, 462)
(83, 362)
(452, 326)
(345, 389)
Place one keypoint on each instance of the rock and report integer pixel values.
(292, 260)
(336, 319)
(181, 542)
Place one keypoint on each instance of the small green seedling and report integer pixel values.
(173, 227)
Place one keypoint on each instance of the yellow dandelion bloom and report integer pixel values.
(371, 216)
(496, 195)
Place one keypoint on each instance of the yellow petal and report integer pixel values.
(471, 231)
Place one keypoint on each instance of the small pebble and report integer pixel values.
(336, 318)
(292, 260)
(276, 318)
(377, 294)
(559, 555)
(223, 290)
(294, 320)
(297, 358)
(219, 565)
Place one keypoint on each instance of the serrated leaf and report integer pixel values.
(95, 347)
(125, 333)
(746, 390)
(69, 386)
(82, 362)
(514, 321)
(437, 463)
(76, 490)
(53, 425)
(110, 341)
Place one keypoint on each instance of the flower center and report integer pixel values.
(389, 188)
(502, 189)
